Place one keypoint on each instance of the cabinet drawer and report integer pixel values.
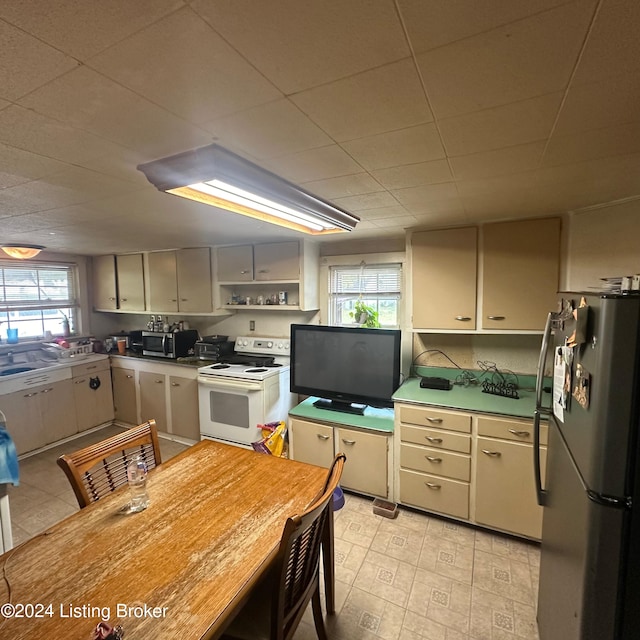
(435, 438)
(435, 494)
(439, 418)
(442, 463)
(509, 429)
(89, 368)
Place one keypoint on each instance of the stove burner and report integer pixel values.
(219, 366)
(256, 370)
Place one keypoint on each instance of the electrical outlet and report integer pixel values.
(252, 325)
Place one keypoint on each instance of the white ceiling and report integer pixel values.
(407, 113)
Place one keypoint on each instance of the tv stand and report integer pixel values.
(338, 405)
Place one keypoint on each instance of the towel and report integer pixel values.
(8, 457)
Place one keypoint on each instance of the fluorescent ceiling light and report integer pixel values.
(215, 176)
(22, 251)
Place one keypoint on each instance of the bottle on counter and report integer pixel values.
(137, 480)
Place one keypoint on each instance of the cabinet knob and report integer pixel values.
(493, 454)
(81, 381)
(263, 270)
(30, 395)
(47, 390)
(173, 299)
(433, 420)
(322, 436)
(520, 434)
(496, 318)
(348, 441)
(184, 299)
(111, 298)
(434, 440)
(124, 299)
(434, 486)
(434, 460)
(175, 384)
(129, 375)
(244, 271)
(158, 381)
(463, 318)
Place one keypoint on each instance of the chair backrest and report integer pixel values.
(298, 557)
(101, 468)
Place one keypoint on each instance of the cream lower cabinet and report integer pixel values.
(183, 401)
(124, 395)
(93, 394)
(367, 469)
(435, 459)
(152, 398)
(504, 483)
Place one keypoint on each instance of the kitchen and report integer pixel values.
(394, 125)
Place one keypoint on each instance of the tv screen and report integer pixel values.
(347, 368)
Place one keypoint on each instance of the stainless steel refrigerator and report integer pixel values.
(590, 550)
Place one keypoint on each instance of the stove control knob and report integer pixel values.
(286, 345)
(280, 345)
(269, 345)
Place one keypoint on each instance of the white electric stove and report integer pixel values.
(244, 390)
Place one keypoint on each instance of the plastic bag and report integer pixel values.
(274, 439)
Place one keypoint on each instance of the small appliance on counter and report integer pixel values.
(178, 344)
(213, 348)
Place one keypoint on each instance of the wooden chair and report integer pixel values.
(101, 468)
(276, 605)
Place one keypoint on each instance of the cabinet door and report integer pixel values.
(93, 398)
(183, 396)
(153, 403)
(104, 283)
(277, 261)
(504, 487)
(366, 466)
(130, 282)
(235, 264)
(163, 282)
(124, 395)
(24, 421)
(520, 273)
(194, 280)
(311, 442)
(443, 274)
(58, 420)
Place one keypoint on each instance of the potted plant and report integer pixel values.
(365, 315)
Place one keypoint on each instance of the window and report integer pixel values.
(377, 286)
(36, 297)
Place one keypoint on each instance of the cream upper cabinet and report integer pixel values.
(105, 295)
(130, 276)
(444, 278)
(520, 272)
(235, 264)
(180, 281)
(277, 261)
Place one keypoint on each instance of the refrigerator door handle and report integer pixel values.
(542, 362)
(541, 493)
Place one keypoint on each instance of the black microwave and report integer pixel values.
(178, 344)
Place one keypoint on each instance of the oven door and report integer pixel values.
(230, 410)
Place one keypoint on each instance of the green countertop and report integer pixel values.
(375, 419)
(470, 398)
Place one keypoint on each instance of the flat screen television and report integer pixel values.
(347, 368)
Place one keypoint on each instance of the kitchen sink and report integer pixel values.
(12, 370)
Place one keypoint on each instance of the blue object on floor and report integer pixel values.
(338, 499)
(8, 456)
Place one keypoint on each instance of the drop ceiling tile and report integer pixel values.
(433, 24)
(610, 101)
(195, 73)
(18, 166)
(382, 99)
(406, 146)
(314, 164)
(343, 186)
(613, 45)
(525, 59)
(441, 219)
(300, 45)
(81, 29)
(452, 205)
(488, 164)
(383, 212)
(597, 143)
(425, 194)
(89, 101)
(505, 126)
(26, 63)
(414, 175)
(25, 129)
(500, 186)
(401, 222)
(490, 208)
(365, 201)
(270, 130)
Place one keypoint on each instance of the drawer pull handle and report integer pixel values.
(520, 434)
(434, 460)
(81, 381)
(433, 420)
(348, 441)
(244, 271)
(322, 436)
(434, 440)
(95, 366)
(47, 390)
(434, 486)
(175, 384)
(158, 381)
(496, 318)
(493, 454)
(30, 395)
(129, 375)
(463, 318)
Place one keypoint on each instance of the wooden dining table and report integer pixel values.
(179, 569)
